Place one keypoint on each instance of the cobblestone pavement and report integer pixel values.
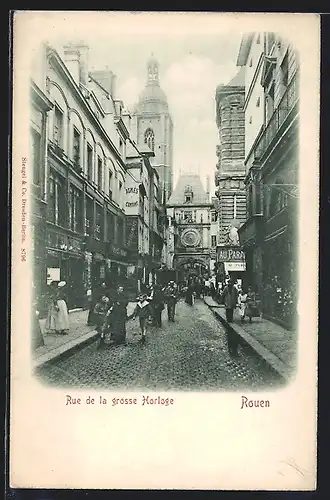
(190, 354)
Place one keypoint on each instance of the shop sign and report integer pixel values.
(119, 251)
(132, 199)
(53, 274)
(235, 266)
(230, 254)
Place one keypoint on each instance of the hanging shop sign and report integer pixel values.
(132, 199)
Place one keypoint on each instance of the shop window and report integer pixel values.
(36, 157)
(89, 216)
(110, 227)
(58, 126)
(89, 162)
(76, 148)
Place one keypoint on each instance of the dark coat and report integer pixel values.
(230, 296)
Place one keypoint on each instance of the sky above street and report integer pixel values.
(190, 70)
(196, 52)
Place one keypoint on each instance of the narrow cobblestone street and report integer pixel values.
(190, 354)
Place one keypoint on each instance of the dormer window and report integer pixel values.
(188, 194)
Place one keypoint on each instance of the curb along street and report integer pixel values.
(246, 338)
(65, 349)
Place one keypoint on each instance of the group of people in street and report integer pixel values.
(233, 296)
(108, 310)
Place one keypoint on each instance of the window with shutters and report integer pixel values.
(58, 127)
(76, 148)
(89, 162)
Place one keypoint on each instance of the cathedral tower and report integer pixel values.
(152, 125)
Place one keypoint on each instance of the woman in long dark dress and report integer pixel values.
(118, 318)
(190, 294)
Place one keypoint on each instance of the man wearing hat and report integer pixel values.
(171, 293)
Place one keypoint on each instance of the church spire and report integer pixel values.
(153, 71)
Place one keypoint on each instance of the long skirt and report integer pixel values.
(242, 310)
(118, 331)
(57, 320)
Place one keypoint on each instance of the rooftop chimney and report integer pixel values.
(84, 59)
(72, 61)
(106, 79)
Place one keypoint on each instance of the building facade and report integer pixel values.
(145, 218)
(189, 207)
(85, 177)
(152, 125)
(269, 236)
(230, 174)
(40, 105)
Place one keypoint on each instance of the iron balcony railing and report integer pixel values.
(287, 103)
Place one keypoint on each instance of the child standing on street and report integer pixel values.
(142, 311)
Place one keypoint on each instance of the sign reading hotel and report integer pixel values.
(132, 198)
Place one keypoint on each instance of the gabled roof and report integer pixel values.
(194, 183)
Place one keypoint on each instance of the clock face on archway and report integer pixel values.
(190, 238)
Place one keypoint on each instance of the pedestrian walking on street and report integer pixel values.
(171, 296)
(190, 294)
(100, 313)
(97, 294)
(118, 317)
(241, 301)
(57, 318)
(157, 305)
(251, 305)
(229, 297)
(142, 311)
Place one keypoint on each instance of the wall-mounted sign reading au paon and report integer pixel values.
(230, 254)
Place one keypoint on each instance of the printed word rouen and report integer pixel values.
(256, 403)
